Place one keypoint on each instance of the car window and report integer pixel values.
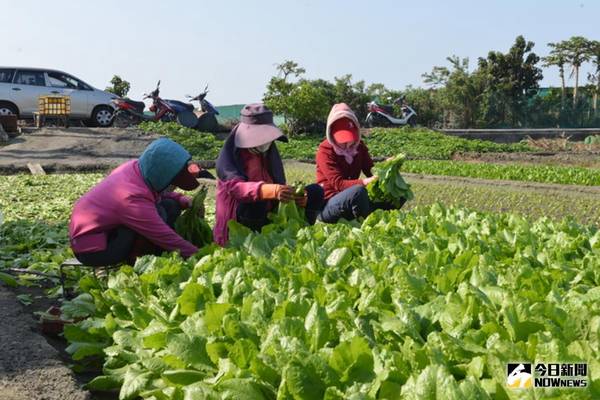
(6, 75)
(60, 80)
(81, 85)
(34, 78)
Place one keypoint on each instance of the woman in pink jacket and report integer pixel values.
(132, 211)
(251, 179)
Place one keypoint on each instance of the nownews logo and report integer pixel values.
(546, 375)
(518, 376)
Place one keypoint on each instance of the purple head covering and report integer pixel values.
(256, 127)
(229, 164)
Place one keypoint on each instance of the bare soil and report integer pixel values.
(30, 368)
(73, 149)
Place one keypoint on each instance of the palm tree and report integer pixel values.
(577, 51)
(594, 77)
(557, 57)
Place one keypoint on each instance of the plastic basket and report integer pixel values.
(54, 105)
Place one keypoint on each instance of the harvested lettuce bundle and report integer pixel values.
(389, 187)
(191, 224)
(298, 188)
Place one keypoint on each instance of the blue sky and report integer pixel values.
(234, 45)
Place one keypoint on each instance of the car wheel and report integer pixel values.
(8, 109)
(102, 116)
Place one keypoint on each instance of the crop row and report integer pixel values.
(415, 143)
(421, 305)
(35, 210)
(431, 302)
(515, 172)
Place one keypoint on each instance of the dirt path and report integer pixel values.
(30, 368)
(73, 149)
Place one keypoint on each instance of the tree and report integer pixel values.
(303, 104)
(458, 95)
(353, 94)
(119, 86)
(308, 107)
(288, 68)
(511, 79)
(279, 88)
(428, 105)
(558, 58)
(577, 50)
(594, 77)
(438, 77)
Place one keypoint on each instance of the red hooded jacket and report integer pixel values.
(334, 173)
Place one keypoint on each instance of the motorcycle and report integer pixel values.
(383, 115)
(129, 112)
(206, 113)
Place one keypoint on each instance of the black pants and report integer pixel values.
(254, 215)
(120, 241)
(352, 203)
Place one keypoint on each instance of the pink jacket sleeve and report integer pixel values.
(243, 191)
(142, 217)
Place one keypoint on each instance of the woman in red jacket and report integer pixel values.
(341, 158)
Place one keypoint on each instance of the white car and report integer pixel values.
(21, 87)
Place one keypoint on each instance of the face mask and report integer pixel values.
(263, 147)
(348, 145)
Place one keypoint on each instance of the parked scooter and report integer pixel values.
(129, 112)
(206, 113)
(383, 115)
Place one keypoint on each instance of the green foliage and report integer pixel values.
(191, 224)
(592, 139)
(502, 91)
(119, 86)
(383, 142)
(426, 304)
(432, 302)
(33, 234)
(515, 172)
(389, 187)
(305, 104)
(428, 144)
(510, 80)
(201, 145)
(493, 198)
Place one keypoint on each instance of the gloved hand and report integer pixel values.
(301, 200)
(185, 202)
(368, 180)
(270, 191)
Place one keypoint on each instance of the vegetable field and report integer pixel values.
(416, 143)
(429, 302)
(514, 172)
(424, 305)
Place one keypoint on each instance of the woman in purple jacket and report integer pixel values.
(251, 180)
(132, 211)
